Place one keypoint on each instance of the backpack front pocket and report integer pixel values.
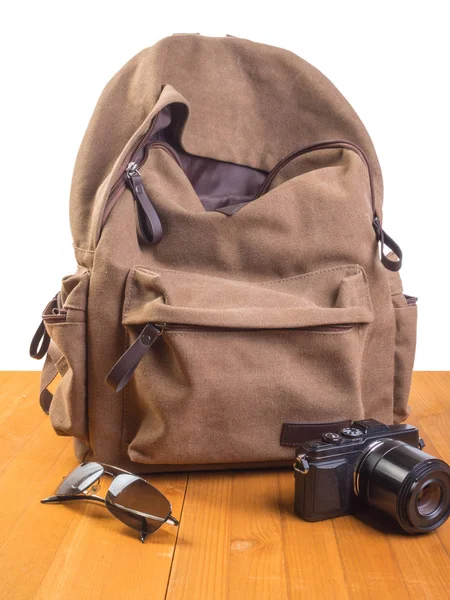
(219, 365)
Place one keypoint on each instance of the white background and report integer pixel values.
(390, 59)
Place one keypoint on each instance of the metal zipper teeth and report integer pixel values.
(121, 182)
(209, 329)
(168, 148)
(58, 312)
(56, 316)
(61, 318)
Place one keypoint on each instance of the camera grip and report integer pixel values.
(325, 491)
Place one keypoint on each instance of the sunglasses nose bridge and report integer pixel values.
(95, 487)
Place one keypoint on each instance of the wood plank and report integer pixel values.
(102, 558)
(48, 551)
(436, 430)
(256, 566)
(27, 454)
(7, 375)
(239, 537)
(424, 564)
(430, 392)
(20, 415)
(313, 565)
(370, 565)
(13, 390)
(33, 536)
(201, 563)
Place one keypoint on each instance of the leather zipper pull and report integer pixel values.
(124, 368)
(385, 240)
(149, 226)
(41, 340)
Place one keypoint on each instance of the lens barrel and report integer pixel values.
(405, 482)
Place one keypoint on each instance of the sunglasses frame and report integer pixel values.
(107, 501)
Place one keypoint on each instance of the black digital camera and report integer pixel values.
(373, 464)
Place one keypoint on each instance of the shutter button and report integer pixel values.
(331, 438)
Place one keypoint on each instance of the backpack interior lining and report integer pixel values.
(217, 183)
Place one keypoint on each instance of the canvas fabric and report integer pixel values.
(289, 315)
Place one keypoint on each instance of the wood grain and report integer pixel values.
(238, 539)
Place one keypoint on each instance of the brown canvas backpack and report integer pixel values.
(233, 288)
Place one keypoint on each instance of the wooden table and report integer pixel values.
(238, 536)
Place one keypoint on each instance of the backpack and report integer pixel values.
(234, 295)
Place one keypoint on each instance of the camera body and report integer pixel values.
(327, 470)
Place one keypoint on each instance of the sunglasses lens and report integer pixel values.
(133, 521)
(131, 492)
(80, 479)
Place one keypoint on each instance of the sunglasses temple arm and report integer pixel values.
(172, 521)
(69, 498)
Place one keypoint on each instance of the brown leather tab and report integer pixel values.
(294, 434)
(149, 226)
(45, 400)
(40, 342)
(124, 368)
(385, 239)
(49, 372)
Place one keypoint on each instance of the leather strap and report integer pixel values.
(385, 239)
(55, 363)
(40, 342)
(294, 434)
(149, 226)
(124, 368)
(49, 372)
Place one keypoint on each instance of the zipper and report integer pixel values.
(139, 156)
(124, 368)
(311, 148)
(149, 226)
(54, 311)
(163, 327)
(138, 159)
(140, 153)
(57, 315)
(167, 148)
(410, 300)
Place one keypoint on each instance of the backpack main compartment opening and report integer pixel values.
(217, 183)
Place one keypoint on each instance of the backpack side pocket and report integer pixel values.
(65, 320)
(405, 311)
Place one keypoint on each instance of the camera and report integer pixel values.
(372, 464)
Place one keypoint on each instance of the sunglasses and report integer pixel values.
(129, 498)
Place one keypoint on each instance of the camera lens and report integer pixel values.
(429, 498)
(405, 482)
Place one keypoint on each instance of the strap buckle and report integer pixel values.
(301, 465)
